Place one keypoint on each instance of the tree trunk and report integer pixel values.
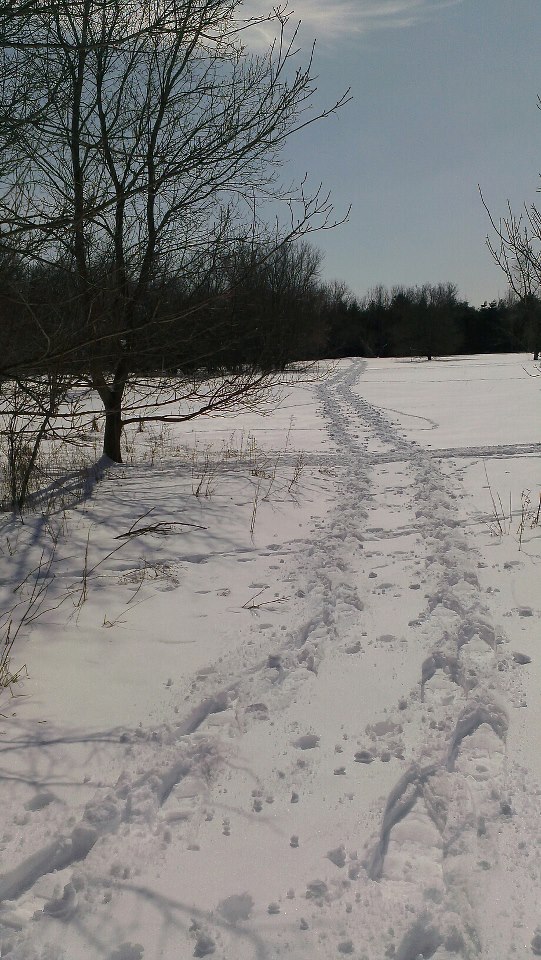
(111, 437)
(111, 397)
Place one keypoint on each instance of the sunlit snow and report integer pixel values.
(298, 716)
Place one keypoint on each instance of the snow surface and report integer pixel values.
(302, 727)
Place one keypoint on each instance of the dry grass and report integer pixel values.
(506, 521)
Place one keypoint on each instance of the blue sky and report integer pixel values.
(444, 97)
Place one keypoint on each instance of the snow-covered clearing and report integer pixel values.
(308, 725)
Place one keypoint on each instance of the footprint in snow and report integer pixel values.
(65, 906)
(337, 856)
(127, 951)
(536, 943)
(204, 945)
(40, 800)
(259, 711)
(236, 908)
(307, 742)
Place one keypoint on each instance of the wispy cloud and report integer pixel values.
(331, 20)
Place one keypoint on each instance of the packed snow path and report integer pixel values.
(333, 779)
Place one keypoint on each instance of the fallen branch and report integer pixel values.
(250, 605)
(161, 527)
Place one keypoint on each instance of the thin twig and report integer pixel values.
(157, 527)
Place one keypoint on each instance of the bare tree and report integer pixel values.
(515, 245)
(158, 145)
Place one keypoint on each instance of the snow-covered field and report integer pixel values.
(307, 726)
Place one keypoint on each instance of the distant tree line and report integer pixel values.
(430, 320)
(255, 305)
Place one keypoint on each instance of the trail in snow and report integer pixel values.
(433, 816)
(384, 676)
